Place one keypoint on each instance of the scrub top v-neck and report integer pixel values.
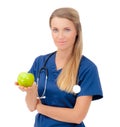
(88, 80)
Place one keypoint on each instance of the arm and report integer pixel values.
(31, 96)
(72, 115)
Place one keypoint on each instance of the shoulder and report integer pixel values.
(43, 57)
(87, 65)
(85, 61)
(38, 62)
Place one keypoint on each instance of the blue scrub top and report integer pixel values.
(89, 82)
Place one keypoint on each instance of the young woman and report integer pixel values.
(65, 81)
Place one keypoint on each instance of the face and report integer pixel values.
(63, 33)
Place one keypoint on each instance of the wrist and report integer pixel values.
(38, 106)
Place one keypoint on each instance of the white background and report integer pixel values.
(25, 34)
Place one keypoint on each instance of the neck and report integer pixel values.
(64, 54)
(62, 58)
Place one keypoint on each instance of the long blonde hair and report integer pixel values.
(68, 76)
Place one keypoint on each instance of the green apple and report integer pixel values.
(25, 79)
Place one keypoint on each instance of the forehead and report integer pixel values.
(57, 22)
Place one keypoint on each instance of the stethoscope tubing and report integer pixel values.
(46, 76)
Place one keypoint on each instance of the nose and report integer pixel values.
(61, 34)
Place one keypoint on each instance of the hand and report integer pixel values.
(32, 88)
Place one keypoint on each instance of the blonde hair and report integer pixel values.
(68, 76)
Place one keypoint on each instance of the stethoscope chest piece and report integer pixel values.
(76, 88)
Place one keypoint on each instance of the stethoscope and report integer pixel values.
(76, 88)
(44, 68)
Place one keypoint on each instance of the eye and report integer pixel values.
(54, 30)
(67, 29)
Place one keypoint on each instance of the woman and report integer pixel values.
(56, 99)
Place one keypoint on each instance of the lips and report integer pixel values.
(61, 42)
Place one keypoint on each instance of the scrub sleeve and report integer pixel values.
(89, 80)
